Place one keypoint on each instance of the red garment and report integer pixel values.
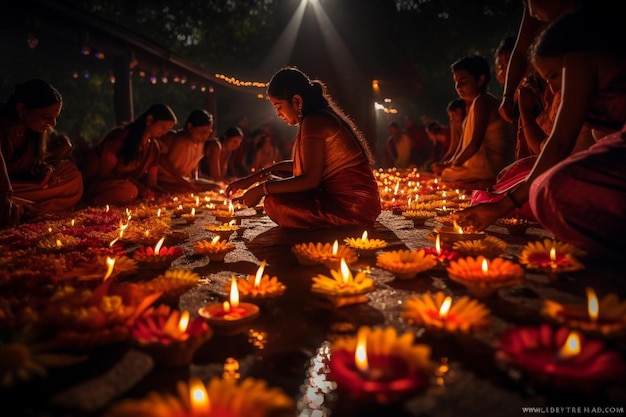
(582, 200)
(348, 198)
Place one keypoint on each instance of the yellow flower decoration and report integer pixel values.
(490, 246)
(471, 269)
(464, 314)
(316, 253)
(538, 255)
(205, 247)
(405, 264)
(173, 282)
(58, 241)
(342, 282)
(220, 397)
(267, 286)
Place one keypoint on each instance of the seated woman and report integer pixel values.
(124, 165)
(217, 154)
(580, 198)
(487, 143)
(37, 159)
(181, 151)
(330, 181)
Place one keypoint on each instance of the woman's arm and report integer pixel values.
(108, 159)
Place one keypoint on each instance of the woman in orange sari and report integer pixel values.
(330, 181)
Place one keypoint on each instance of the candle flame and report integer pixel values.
(110, 265)
(107, 208)
(73, 222)
(360, 353)
(395, 190)
(234, 293)
(458, 228)
(445, 307)
(147, 233)
(335, 248)
(193, 211)
(226, 306)
(49, 229)
(183, 322)
(200, 404)
(571, 347)
(157, 247)
(232, 222)
(345, 271)
(159, 213)
(438, 244)
(485, 267)
(215, 239)
(59, 243)
(113, 242)
(364, 236)
(231, 208)
(259, 275)
(553, 263)
(197, 201)
(592, 304)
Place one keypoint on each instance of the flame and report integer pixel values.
(553, 263)
(123, 226)
(234, 293)
(345, 271)
(49, 229)
(395, 190)
(485, 267)
(59, 243)
(200, 404)
(438, 244)
(193, 211)
(259, 275)
(159, 213)
(364, 236)
(197, 201)
(571, 347)
(445, 307)
(113, 242)
(226, 307)
(214, 240)
(146, 233)
(335, 248)
(107, 208)
(360, 353)
(110, 265)
(232, 222)
(183, 322)
(73, 222)
(157, 247)
(458, 228)
(592, 304)
(231, 208)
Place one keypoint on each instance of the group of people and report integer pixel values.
(552, 148)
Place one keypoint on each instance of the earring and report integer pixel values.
(300, 111)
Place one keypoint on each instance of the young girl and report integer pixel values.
(330, 181)
(487, 143)
(124, 165)
(217, 154)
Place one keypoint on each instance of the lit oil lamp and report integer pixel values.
(230, 317)
(161, 257)
(364, 246)
(260, 286)
(226, 215)
(440, 312)
(443, 255)
(226, 397)
(191, 217)
(551, 257)
(103, 288)
(605, 317)
(406, 264)
(455, 233)
(170, 337)
(343, 288)
(516, 225)
(216, 249)
(179, 210)
(483, 277)
(380, 366)
(561, 358)
(323, 253)
(223, 230)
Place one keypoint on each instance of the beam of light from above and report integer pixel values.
(282, 49)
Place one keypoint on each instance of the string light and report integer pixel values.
(239, 83)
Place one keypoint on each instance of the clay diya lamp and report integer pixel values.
(442, 254)
(260, 286)
(379, 366)
(216, 249)
(562, 358)
(418, 217)
(601, 317)
(309, 254)
(551, 257)
(224, 230)
(159, 258)
(170, 337)
(440, 312)
(489, 247)
(455, 233)
(190, 218)
(220, 397)
(343, 288)
(364, 246)
(483, 277)
(406, 264)
(515, 225)
(230, 317)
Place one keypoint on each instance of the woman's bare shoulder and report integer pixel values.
(320, 124)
